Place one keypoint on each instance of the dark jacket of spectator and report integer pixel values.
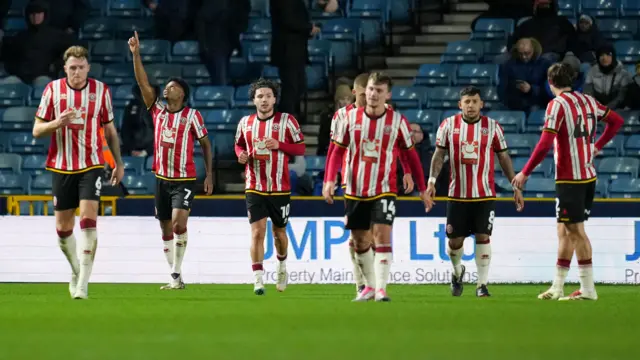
(633, 92)
(608, 83)
(36, 51)
(555, 33)
(588, 39)
(515, 71)
(172, 18)
(291, 28)
(137, 125)
(68, 14)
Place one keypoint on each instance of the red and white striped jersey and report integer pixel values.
(175, 134)
(471, 148)
(267, 171)
(373, 146)
(78, 146)
(574, 116)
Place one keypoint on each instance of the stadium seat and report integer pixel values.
(156, 51)
(631, 121)
(97, 8)
(10, 164)
(371, 31)
(41, 184)
(535, 121)
(122, 95)
(196, 74)
(126, 27)
(18, 118)
(435, 75)
(511, 121)
(260, 52)
(443, 97)
(315, 164)
(449, 113)
(477, 74)
(619, 167)
(259, 8)
(14, 184)
(540, 188)
(14, 25)
(491, 98)
(409, 97)
(400, 10)
(493, 48)
(16, 7)
(320, 52)
(33, 164)
(627, 51)
(14, 94)
(118, 74)
(567, 8)
(212, 97)
(241, 97)
(630, 8)
(101, 28)
(600, 8)
(133, 165)
(271, 73)
(162, 72)
(95, 72)
(618, 29)
(221, 119)
(625, 188)
(137, 185)
(118, 117)
(316, 77)
(125, 8)
(25, 143)
(544, 169)
(343, 35)
(223, 146)
(602, 186)
(367, 8)
(427, 119)
(487, 29)
(185, 52)
(614, 147)
(258, 30)
(521, 144)
(148, 164)
(110, 51)
(462, 52)
(632, 146)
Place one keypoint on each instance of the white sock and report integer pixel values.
(357, 273)
(169, 248)
(585, 272)
(562, 270)
(178, 255)
(281, 266)
(365, 262)
(68, 247)
(456, 258)
(88, 245)
(483, 259)
(383, 266)
(258, 272)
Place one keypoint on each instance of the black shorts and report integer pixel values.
(360, 214)
(275, 207)
(69, 189)
(574, 201)
(465, 218)
(173, 195)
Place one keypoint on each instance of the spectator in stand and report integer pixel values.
(555, 33)
(34, 55)
(608, 80)
(172, 18)
(137, 126)
(578, 83)
(342, 98)
(523, 78)
(633, 90)
(588, 39)
(423, 146)
(68, 15)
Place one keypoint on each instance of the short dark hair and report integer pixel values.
(470, 91)
(561, 75)
(380, 78)
(263, 83)
(183, 84)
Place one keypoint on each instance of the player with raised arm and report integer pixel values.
(372, 137)
(176, 129)
(264, 143)
(72, 111)
(359, 87)
(471, 141)
(570, 124)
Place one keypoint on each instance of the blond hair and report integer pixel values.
(342, 91)
(76, 52)
(361, 80)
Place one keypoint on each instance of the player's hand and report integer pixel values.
(134, 43)
(518, 199)
(66, 116)
(428, 196)
(596, 151)
(315, 30)
(272, 144)
(407, 181)
(519, 181)
(243, 157)
(328, 190)
(208, 184)
(117, 174)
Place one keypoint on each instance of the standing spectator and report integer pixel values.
(172, 18)
(68, 15)
(608, 80)
(137, 126)
(522, 79)
(588, 39)
(578, 84)
(291, 28)
(219, 24)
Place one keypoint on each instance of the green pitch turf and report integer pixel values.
(122, 322)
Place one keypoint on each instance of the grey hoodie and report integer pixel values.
(609, 89)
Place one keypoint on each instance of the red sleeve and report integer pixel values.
(294, 134)
(328, 158)
(240, 140)
(197, 125)
(553, 117)
(45, 109)
(297, 149)
(107, 106)
(541, 150)
(416, 168)
(334, 163)
(404, 162)
(239, 149)
(613, 123)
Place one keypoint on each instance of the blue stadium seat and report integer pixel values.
(196, 74)
(259, 8)
(618, 29)
(567, 8)
(95, 71)
(14, 25)
(371, 31)
(122, 95)
(34, 164)
(444, 97)
(241, 97)
(260, 52)
(625, 188)
(148, 164)
(41, 184)
(109, 51)
(14, 94)
(619, 167)
(630, 8)
(162, 72)
(97, 8)
(320, 52)
(511, 121)
(491, 98)
(631, 121)
(16, 7)
(521, 144)
(535, 121)
(118, 117)
(600, 8)
(435, 75)
(97, 29)
(343, 35)
(544, 169)
(462, 52)
(427, 119)
(409, 97)
(632, 146)
(14, 184)
(137, 185)
(153, 51)
(316, 77)
(258, 30)
(477, 74)
(493, 48)
(212, 97)
(10, 164)
(224, 146)
(614, 147)
(221, 119)
(241, 71)
(449, 113)
(540, 188)
(488, 29)
(186, 52)
(25, 143)
(126, 27)
(627, 51)
(271, 73)
(602, 186)
(18, 118)
(125, 8)
(315, 164)
(133, 165)
(367, 8)
(118, 74)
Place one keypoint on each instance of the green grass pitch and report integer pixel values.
(122, 322)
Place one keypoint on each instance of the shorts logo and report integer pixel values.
(249, 214)
(449, 229)
(55, 200)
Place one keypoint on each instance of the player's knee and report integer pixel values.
(456, 243)
(87, 223)
(179, 229)
(279, 234)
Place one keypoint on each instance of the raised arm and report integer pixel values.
(148, 93)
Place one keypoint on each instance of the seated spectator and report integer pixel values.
(522, 79)
(608, 80)
(137, 126)
(633, 91)
(588, 39)
(34, 55)
(342, 98)
(578, 84)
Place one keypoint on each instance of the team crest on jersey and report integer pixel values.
(92, 97)
(275, 127)
(183, 120)
(387, 129)
(485, 132)
(456, 131)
